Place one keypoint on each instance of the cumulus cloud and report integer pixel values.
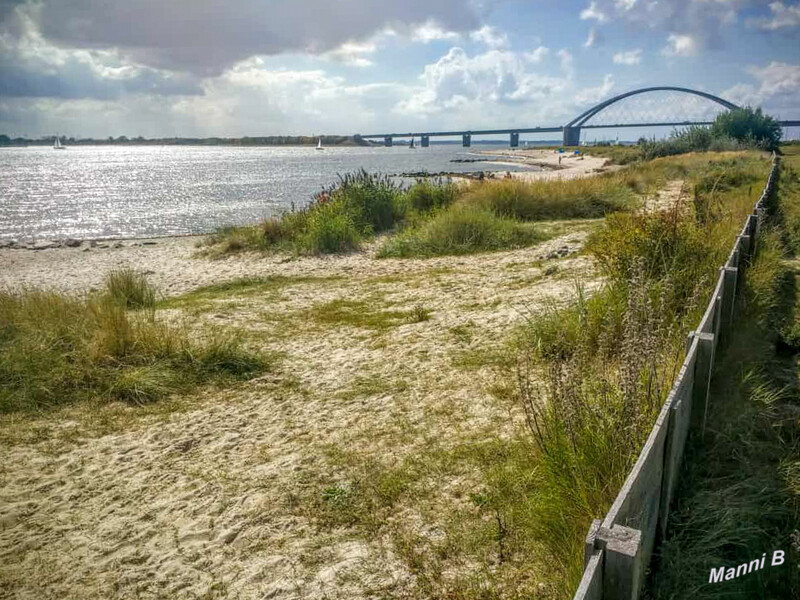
(207, 36)
(353, 53)
(537, 55)
(31, 67)
(594, 38)
(777, 86)
(782, 17)
(632, 57)
(593, 12)
(680, 45)
(473, 91)
(700, 20)
(430, 31)
(490, 37)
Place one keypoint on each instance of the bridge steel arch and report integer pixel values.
(572, 130)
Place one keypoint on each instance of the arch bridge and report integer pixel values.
(571, 132)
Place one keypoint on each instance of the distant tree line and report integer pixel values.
(271, 140)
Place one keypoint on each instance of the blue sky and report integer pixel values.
(261, 67)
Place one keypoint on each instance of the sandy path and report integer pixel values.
(217, 500)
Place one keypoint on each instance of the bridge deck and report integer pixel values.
(542, 129)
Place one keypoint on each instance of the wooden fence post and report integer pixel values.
(702, 379)
(623, 569)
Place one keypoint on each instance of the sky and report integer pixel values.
(230, 68)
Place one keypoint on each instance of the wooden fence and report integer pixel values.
(618, 548)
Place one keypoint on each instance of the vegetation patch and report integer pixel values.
(739, 495)
(57, 349)
(360, 313)
(461, 230)
(586, 198)
(592, 376)
(339, 218)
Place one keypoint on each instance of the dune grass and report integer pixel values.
(461, 230)
(740, 494)
(130, 288)
(593, 375)
(339, 218)
(57, 349)
(548, 200)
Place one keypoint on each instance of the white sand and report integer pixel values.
(570, 167)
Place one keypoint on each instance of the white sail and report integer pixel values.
(319, 144)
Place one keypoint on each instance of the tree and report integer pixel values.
(748, 125)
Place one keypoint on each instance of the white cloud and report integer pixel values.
(206, 37)
(680, 45)
(593, 12)
(461, 90)
(632, 57)
(537, 55)
(593, 39)
(490, 36)
(430, 32)
(565, 58)
(352, 53)
(593, 95)
(783, 16)
(625, 5)
(702, 20)
(778, 86)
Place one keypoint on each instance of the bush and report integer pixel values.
(749, 126)
(369, 199)
(460, 230)
(426, 196)
(330, 228)
(666, 246)
(738, 129)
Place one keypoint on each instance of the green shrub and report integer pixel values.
(749, 126)
(369, 199)
(461, 230)
(426, 196)
(330, 228)
(665, 245)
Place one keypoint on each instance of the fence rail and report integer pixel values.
(619, 547)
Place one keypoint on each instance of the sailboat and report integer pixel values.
(411, 145)
(319, 144)
(57, 144)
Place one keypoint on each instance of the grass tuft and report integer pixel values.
(461, 230)
(130, 288)
(57, 349)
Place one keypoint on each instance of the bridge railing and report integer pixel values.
(618, 549)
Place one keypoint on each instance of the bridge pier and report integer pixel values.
(425, 141)
(466, 140)
(572, 136)
(387, 141)
(514, 142)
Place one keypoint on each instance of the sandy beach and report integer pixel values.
(570, 166)
(218, 495)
